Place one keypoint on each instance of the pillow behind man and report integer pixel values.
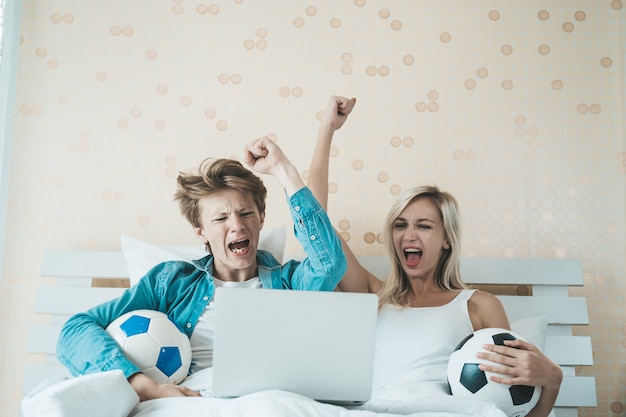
(142, 256)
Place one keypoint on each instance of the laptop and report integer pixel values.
(317, 344)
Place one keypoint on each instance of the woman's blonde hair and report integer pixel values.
(447, 275)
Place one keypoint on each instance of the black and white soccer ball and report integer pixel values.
(154, 343)
(467, 380)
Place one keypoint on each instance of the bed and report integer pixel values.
(535, 293)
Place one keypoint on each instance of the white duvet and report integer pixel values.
(108, 394)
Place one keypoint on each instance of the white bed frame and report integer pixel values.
(70, 290)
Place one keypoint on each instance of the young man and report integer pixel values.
(225, 204)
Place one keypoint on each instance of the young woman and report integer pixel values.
(425, 308)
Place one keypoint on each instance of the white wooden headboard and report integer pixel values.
(549, 281)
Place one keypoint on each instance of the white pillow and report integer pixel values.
(532, 329)
(142, 256)
(102, 394)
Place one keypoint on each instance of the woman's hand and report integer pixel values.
(337, 111)
(521, 363)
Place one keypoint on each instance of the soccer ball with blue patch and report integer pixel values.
(153, 342)
(467, 380)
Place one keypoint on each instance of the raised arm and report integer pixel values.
(335, 115)
(266, 157)
(356, 278)
(325, 263)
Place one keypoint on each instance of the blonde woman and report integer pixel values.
(425, 309)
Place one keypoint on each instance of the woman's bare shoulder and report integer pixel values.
(484, 298)
(486, 310)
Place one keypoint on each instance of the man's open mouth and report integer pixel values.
(239, 247)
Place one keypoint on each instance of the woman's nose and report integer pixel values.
(410, 234)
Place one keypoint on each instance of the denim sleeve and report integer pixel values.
(325, 261)
(85, 347)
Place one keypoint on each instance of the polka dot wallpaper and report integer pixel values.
(515, 107)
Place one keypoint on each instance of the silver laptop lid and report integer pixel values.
(318, 344)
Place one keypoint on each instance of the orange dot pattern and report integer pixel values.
(260, 43)
(516, 108)
(431, 105)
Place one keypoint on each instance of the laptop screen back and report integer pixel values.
(318, 344)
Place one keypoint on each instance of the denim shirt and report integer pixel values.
(182, 290)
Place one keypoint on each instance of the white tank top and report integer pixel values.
(413, 345)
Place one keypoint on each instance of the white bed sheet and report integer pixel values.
(108, 394)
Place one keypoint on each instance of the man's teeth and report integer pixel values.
(239, 246)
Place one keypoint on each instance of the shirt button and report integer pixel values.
(206, 297)
(297, 208)
(313, 237)
(189, 325)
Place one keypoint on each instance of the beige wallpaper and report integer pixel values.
(517, 107)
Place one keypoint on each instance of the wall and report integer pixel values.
(515, 107)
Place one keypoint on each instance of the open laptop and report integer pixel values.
(317, 344)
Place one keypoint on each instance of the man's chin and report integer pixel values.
(243, 260)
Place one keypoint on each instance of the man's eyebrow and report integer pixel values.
(218, 213)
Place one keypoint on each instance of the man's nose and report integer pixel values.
(235, 223)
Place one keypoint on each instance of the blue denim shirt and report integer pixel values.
(182, 290)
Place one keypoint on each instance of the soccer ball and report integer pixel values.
(153, 342)
(467, 380)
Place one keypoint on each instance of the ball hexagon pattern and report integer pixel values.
(467, 380)
(153, 342)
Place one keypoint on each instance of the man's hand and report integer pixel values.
(266, 157)
(148, 389)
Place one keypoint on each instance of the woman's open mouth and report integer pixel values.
(412, 256)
